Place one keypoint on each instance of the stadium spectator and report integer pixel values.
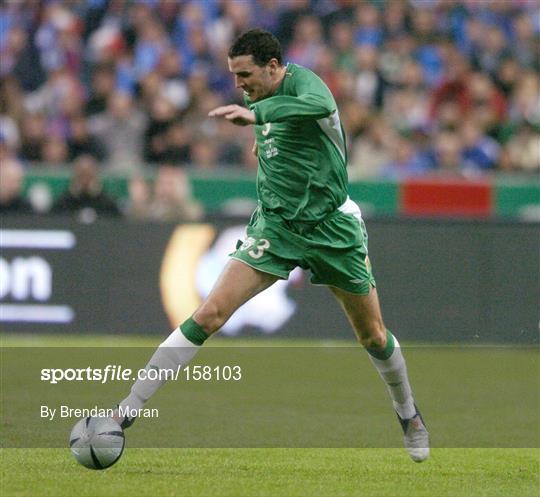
(343, 45)
(487, 104)
(85, 198)
(356, 117)
(12, 200)
(11, 99)
(120, 130)
(480, 152)
(372, 151)
(151, 43)
(54, 151)
(325, 67)
(290, 13)
(369, 28)
(202, 100)
(393, 54)
(58, 97)
(405, 105)
(161, 116)
(507, 76)
(406, 161)
(167, 199)
(525, 101)
(369, 84)
(139, 197)
(307, 42)
(101, 88)
(448, 154)
(492, 49)
(238, 16)
(171, 199)
(335, 12)
(524, 150)
(9, 134)
(204, 154)
(58, 38)
(171, 79)
(430, 44)
(266, 12)
(33, 135)
(80, 141)
(177, 144)
(394, 18)
(454, 86)
(199, 85)
(19, 58)
(523, 41)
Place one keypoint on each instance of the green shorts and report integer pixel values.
(335, 250)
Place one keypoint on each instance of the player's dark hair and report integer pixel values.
(261, 44)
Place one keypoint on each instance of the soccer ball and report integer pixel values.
(97, 443)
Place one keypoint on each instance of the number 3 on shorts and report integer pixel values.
(258, 251)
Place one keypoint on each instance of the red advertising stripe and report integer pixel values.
(438, 197)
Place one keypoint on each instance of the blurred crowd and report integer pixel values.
(423, 86)
(166, 198)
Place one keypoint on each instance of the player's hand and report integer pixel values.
(234, 113)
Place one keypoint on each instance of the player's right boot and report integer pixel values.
(123, 420)
(415, 436)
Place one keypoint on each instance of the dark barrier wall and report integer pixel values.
(438, 280)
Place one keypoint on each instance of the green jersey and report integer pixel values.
(302, 173)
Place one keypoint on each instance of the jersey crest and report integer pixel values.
(266, 129)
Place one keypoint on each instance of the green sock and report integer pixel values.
(383, 354)
(193, 332)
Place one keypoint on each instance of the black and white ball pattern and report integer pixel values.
(97, 443)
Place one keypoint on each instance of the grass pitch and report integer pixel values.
(482, 399)
(275, 473)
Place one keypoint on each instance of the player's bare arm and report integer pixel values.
(234, 113)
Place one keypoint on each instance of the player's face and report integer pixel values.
(256, 81)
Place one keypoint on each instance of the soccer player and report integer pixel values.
(304, 218)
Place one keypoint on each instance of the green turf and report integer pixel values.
(288, 397)
(483, 401)
(275, 472)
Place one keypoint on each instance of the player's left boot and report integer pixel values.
(123, 421)
(416, 437)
